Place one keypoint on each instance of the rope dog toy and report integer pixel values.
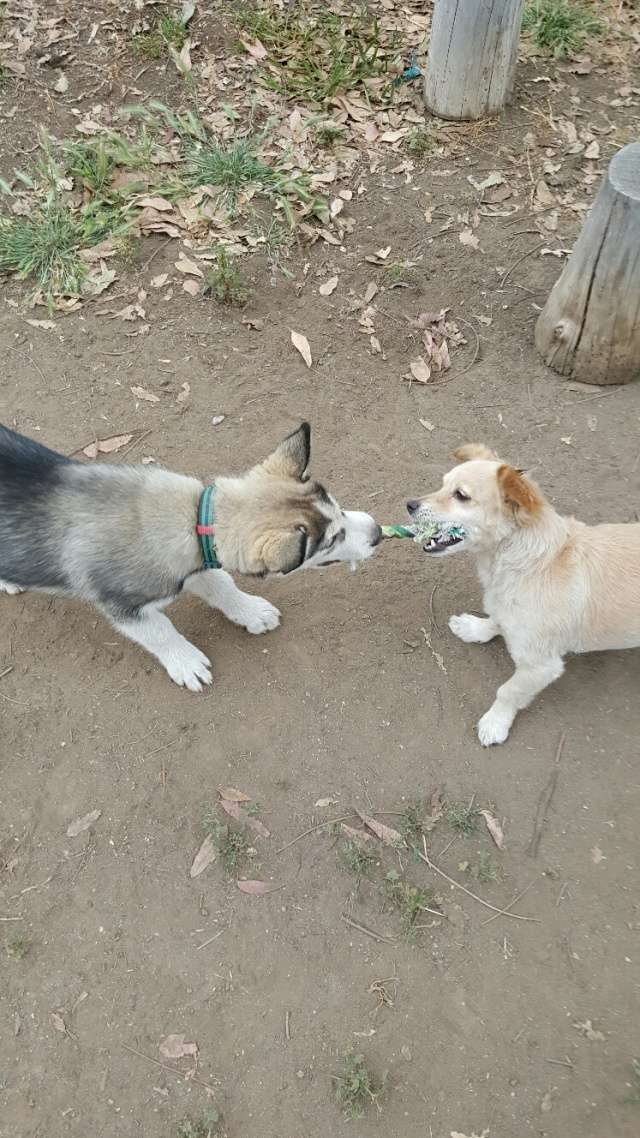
(429, 533)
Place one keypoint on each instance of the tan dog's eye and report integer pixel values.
(461, 496)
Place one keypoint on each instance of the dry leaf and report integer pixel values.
(468, 237)
(427, 424)
(544, 196)
(106, 446)
(256, 825)
(183, 395)
(217, 420)
(358, 836)
(191, 287)
(370, 292)
(159, 281)
(142, 393)
(593, 149)
(436, 802)
(328, 287)
(175, 1047)
(597, 855)
(232, 795)
(48, 325)
(81, 824)
(587, 1029)
(494, 828)
(58, 1022)
(253, 322)
(376, 346)
(301, 344)
(420, 370)
(158, 203)
(205, 855)
(323, 802)
(384, 833)
(232, 809)
(255, 888)
(61, 84)
(97, 282)
(182, 58)
(184, 265)
(256, 49)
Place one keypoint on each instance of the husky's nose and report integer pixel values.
(412, 505)
(377, 536)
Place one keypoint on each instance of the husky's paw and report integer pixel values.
(12, 590)
(494, 726)
(472, 629)
(258, 615)
(188, 667)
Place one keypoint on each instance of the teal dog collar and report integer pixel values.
(205, 528)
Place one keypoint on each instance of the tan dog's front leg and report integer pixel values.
(525, 684)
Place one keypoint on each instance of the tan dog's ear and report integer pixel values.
(283, 552)
(473, 450)
(518, 493)
(291, 458)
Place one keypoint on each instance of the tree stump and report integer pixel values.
(589, 328)
(472, 57)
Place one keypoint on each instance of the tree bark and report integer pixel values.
(472, 57)
(589, 328)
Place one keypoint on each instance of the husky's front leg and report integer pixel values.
(219, 590)
(151, 629)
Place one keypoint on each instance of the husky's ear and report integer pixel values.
(519, 495)
(291, 458)
(283, 552)
(473, 450)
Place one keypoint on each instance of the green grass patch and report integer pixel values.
(314, 56)
(17, 946)
(356, 1087)
(357, 859)
(224, 282)
(561, 27)
(231, 842)
(409, 900)
(206, 1126)
(634, 1096)
(168, 31)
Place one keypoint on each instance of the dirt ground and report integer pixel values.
(506, 1028)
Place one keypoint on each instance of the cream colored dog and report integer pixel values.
(552, 585)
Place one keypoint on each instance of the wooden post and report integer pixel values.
(589, 328)
(472, 57)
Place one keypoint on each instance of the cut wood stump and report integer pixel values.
(589, 328)
(472, 57)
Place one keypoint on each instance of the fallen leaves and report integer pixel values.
(46, 325)
(230, 794)
(142, 393)
(82, 824)
(328, 287)
(106, 446)
(185, 266)
(256, 888)
(176, 1047)
(587, 1029)
(420, 370)
(494, 828)
(204, 857)
(468, 237)
(301, 344)
(386, 834)
(597, 855)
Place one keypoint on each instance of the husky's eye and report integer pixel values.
(461, 496)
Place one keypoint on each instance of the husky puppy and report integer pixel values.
(131, 538)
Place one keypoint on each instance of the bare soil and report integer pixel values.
(362, 697)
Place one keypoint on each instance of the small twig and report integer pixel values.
(155, 254)
(312, 830)
(9, 699)
(6, 671)
(588, 398)
(19, 918)
(287, 1029)
(162, 748)
(434, 623)
(476, 353)
(174, 1070)
(26, 356)
(519, 262)
(210, 940)
(365, 930)
(263, 395)
(135, 443)
(561, 894)
(561, 1062)
(487, 904)
(508, 907)
(544, 801)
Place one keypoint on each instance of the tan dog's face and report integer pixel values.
(486, 497)
(282, 521)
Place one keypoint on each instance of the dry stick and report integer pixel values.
(487, 904)
(287, 1029)
(561, 1062)
(508, 907)
(11, 918)
(166, 1067)
(588, 398)
(210, 940)
(313, 829)
(364, 929)
(544, 801)
(434, 623)
(155, 254)
(135, 443)
(519, 262)
(476, 352)
(26, 356)
(6, 671)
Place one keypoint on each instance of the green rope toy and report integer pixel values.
(426, 533)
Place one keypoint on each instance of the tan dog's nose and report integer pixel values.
(413, 505)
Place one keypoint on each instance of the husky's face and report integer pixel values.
(275, 519)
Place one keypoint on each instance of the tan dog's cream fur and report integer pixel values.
(551, 585)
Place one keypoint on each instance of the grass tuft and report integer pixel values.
(17, 946)
(168, 31)
(204, 1127)
(357, 1088)
(634, 1097)
(232, 843)
(561, 27)
(224, 281)
(462, 819)
(357, 859)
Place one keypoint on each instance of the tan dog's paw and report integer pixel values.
(473, 629)
(494, 726)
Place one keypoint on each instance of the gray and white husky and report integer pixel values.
(127, 538)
